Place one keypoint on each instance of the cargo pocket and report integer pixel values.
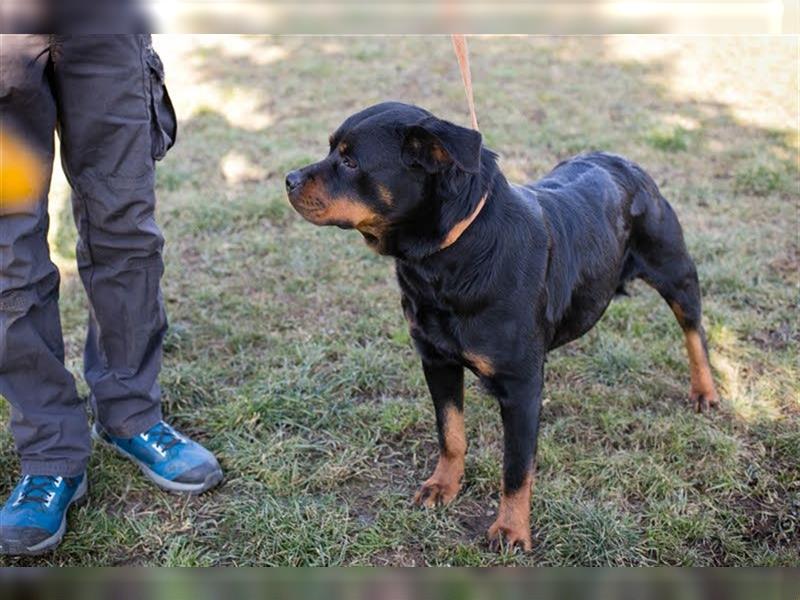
(163, 124)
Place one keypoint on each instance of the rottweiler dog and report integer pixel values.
(494, 275)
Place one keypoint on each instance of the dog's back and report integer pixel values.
(588, 204)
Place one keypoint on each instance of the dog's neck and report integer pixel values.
(439, 226)
(460, 227)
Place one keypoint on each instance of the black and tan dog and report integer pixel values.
(494, 275)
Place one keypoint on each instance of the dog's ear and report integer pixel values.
(434, 145)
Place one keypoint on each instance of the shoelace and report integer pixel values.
(43, 484)
(162, 437)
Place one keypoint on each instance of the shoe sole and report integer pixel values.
(175, 487)
(54, 540)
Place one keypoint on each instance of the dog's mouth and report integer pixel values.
(343, 213)
(372, 240)
(340, 224)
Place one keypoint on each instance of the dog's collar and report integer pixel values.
(460, 227)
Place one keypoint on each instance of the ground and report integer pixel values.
(289, 357)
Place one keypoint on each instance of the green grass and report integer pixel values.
(289, 357)
(669, 140)
(760, 180)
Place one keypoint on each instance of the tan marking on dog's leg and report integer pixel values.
(513, 523)
(703, 393)
(481, 363)
(679, 314)
(443, 486)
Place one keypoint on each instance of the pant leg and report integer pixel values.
(106, 88)
(48, 420)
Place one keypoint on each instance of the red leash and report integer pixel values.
(462, 54)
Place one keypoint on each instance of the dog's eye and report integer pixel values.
(349, 162)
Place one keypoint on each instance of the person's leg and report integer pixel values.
(115, 120)
(48, 420)
(102, 90)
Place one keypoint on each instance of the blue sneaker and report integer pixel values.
(173, 462)
(34, 517)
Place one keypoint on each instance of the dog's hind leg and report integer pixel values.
(703, 393)
(666, 265)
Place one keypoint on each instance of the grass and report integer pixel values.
(288, 354)
(669, 140)
(759, 180)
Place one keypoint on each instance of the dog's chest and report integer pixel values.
(433, 318)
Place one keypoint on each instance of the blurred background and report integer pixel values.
(471, 16)
(410, 16)
(386, 584)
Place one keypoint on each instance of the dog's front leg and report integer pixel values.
(520, 400)
(446, 384)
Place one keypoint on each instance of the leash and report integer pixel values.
(462, 54)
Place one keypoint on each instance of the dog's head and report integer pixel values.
(395, 173)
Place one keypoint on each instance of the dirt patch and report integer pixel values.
(787, 262)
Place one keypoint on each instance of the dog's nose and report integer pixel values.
(293, 181)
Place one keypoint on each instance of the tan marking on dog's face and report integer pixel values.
(443, 486)
(315, 205)
(481, 363)
(513, 523)
(343, 210)
(439, 154)
(385, 195)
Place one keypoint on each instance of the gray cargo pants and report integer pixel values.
(106, 97)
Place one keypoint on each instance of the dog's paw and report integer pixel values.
(436, 493)
(509, 535)
(704, 401)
